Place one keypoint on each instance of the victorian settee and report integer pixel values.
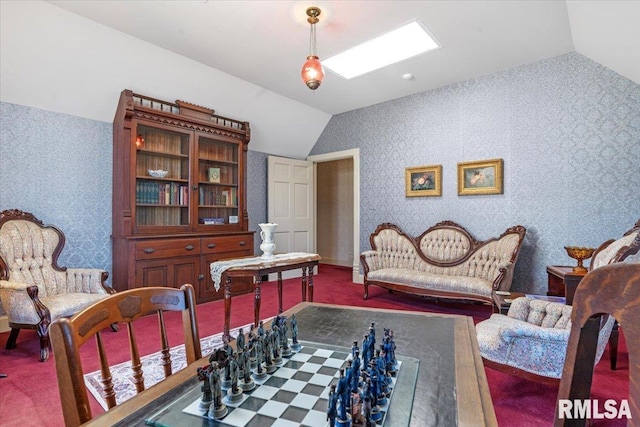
(34, 289)
(445, 261)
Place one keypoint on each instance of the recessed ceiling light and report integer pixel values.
(407, 76)
(405, 42)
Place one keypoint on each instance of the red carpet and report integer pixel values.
(29, 395)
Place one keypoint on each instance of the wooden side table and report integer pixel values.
(563, 281)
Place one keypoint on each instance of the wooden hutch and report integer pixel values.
(179, 194)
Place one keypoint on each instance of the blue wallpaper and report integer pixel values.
(567, 128)
(59, 168)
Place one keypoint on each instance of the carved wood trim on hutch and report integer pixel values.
(166, 230)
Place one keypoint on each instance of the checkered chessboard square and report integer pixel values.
(296, 394)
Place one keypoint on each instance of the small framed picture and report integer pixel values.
(214, 174)
(480, 177)
(423, 181)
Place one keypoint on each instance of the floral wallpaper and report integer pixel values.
(567, 128)
(59, 168)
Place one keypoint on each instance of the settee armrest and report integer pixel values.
(505, 276)
(88, 280)
(524, 330)
(370, 260)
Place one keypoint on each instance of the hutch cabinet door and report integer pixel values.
(172, 272)
(161, 170)
(218, 179)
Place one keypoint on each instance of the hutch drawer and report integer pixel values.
(212, 245)
(152, 249)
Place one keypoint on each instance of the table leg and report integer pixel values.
(227, 309)
(279, 292)
(256, 301)
(304, 283)
(310, 288)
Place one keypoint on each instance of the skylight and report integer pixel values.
(405, 42)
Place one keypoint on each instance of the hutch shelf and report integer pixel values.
(179, 194)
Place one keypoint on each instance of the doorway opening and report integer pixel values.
(337, 218)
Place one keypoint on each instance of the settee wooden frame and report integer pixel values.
(475, 245)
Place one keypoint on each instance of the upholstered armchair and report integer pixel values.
(531, 340)
(34, 290)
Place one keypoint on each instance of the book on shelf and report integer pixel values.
(213, 221)
(169, 193)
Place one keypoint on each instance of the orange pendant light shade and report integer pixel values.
(312, 72)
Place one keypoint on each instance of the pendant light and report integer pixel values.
(312, 72)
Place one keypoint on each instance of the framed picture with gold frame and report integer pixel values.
(423, 181)
(480, 177)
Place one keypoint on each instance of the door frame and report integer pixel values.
(353, 154)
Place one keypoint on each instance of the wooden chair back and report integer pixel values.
(69, 334)
(611, 289)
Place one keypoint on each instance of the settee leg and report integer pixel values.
(13, 336)
(45, 344)
(366, 291)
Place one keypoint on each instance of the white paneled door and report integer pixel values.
(291, 205)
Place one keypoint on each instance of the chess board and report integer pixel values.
(294, 395)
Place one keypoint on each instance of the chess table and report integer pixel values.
(295, 394)
(450, 389)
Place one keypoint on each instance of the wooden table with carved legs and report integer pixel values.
(263, 268)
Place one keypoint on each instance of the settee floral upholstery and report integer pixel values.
(34, 290)
(531, 339)
(444, 262)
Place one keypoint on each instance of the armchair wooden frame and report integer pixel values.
(69, 334)
(619, 256)
(42, 327)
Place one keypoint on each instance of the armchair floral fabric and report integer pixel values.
(34, 290)
(531, 340)
(532, 337)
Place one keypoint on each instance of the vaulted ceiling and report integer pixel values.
(243, 58)
(266, 42)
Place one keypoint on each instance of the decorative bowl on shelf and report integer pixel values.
(158, 173)
(579, 253)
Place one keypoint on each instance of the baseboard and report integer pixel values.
(338, 262)
(4, 324)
